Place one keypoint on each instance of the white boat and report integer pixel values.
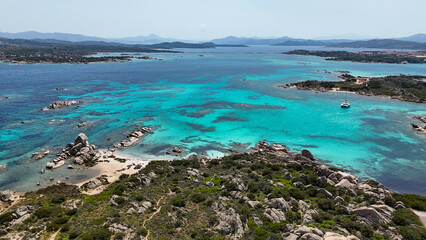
(345, 104)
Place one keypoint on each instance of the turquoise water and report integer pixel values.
(227, 98)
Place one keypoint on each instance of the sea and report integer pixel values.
(207, 101)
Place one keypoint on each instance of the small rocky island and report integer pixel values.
(270, 193)
(402, 87)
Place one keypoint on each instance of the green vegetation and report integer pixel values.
(368, 57)
(402, 87)
(166, 200)
(411, 200)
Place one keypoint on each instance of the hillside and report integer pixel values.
(268, 194)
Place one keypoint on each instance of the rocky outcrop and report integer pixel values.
(279, 203)
(278, 149)
(80, 149)
(7, 196)
(371, 215)
(59, 104)
(176, 149)
(337, 236)
(230, 223)
(41, 154)
(275, 215)
(133, 137)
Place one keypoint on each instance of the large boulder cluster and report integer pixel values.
(80, 149)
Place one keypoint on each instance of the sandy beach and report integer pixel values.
(113, 169)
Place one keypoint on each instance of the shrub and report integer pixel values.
(326, 204)
(6, 218)
(142, 231)
(404, 217)
(43, 212)
(119, 189)
(178, 202)
(197, 198)
(411, 200)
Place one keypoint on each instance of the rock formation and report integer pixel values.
(59, 104)
(133, 137)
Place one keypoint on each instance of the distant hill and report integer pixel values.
(150, 39)
(31, 35)
(382, 44)
(58, 36)
(421, 37)
(302, 43)
(251, 41)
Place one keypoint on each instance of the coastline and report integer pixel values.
(113, 169)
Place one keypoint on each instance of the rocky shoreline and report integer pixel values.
(246, 193)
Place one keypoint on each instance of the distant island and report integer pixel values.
(23, 51)
(382, 44)
(402, 87)
(394, 57)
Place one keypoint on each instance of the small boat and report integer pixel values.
(345, 104)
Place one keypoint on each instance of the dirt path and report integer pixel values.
(422, 216)
(155, 213)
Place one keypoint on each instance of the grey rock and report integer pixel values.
(291, 236)
(209, 184)
(279, 203)
(7, 196)
(83, 139)
(306, 153)
(176, 149)
(371, 214)
(253, 204)
(50, 165)
(275, 215)
(310, 236)
(325, 192)
(323, 170)
(303, 206)
(345, 183)
(288, 176)
(308, 218)
(75, 149)
(78, 160)
(94, 184)
(230, 223)
(298, 184)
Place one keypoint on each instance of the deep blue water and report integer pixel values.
(226, 98)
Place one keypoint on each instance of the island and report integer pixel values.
(51, 51)
(403, 87)
(395, 57)
(270, 193)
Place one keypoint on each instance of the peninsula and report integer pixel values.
(402, 87)
(395, 57)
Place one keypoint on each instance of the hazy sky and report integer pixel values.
(206, 19)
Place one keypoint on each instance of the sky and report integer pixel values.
(209, 19)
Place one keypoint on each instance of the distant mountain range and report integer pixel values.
(150, 39)
(100, 45)
(417, 41)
